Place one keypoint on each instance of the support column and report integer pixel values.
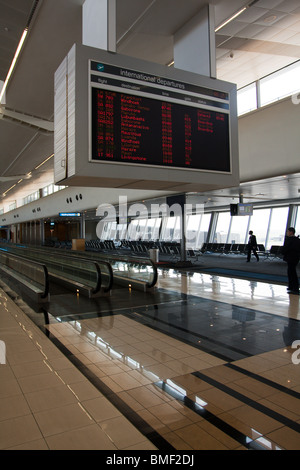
(195, 46)
(99, 24)
(42, 232)
(82, 226)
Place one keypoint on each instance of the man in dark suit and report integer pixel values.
(291, 255)
(252, 246)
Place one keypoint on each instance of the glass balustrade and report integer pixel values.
(35, 273)
(74, 269)
(131, 271)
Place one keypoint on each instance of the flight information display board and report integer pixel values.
(139, 118)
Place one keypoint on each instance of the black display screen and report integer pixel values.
(140, 130)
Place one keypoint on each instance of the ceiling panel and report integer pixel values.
(14, 15)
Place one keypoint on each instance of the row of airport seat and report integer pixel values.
(170, 249)
(141, 247)
(228, 248)
(241, 249)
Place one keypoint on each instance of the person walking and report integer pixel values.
(291, 255)
(252, 246)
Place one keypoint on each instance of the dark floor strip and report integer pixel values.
(268, 278)
(211, 350)
(261, 379)
(248, 401)
(130, 414)
(238, 436)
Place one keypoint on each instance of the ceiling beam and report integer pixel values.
(40, 124)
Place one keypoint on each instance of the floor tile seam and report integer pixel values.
(188, 295)
(184, 330)
(216, 421)
(35, 414)
(132, 416)
(264, 380)
(85, 315)
(250, 402)
(242, 275)
(26, 441)
(44, 358)
(191, 295)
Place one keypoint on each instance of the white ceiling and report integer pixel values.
(264, 38)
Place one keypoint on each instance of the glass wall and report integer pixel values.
(171, 229)
(259, 223)
(222, 228)
(297, 224)
(197, 227)
(268, 224)
(247, 99)
(278, 85)
(277, 227)
(238, 230)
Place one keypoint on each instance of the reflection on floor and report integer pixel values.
(204, 363)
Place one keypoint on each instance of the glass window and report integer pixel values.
(112, 231)
(104, 231)
(283, 83)
(277, 226)
(196, 230)
(297, 224)
(222, 227)
(142, 228)
(168, 228)
(203, 230)
(177, 229)
(259, 223)
(121, 231)
(238, 229)
(133, 230)
(192, 228)
(247, 99)
(152, 230)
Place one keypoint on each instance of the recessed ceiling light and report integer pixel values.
(270, 19)
(238, 13)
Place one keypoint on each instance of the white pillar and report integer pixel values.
(99, 24)
(194, 44)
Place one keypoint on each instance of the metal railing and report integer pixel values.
(33, 273)
(133, 271)
(81, 273)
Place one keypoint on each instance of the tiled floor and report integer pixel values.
(209, 367)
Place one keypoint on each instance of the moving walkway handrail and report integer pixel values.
(96, 289)
(96, 264)
(31, 251)
(76, 255)
(108, 261)
(125, 259)
(155, 275)
(41, 266)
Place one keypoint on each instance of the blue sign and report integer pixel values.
(69, 214)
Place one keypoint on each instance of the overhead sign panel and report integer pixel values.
(127, 123)
(145, 119)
